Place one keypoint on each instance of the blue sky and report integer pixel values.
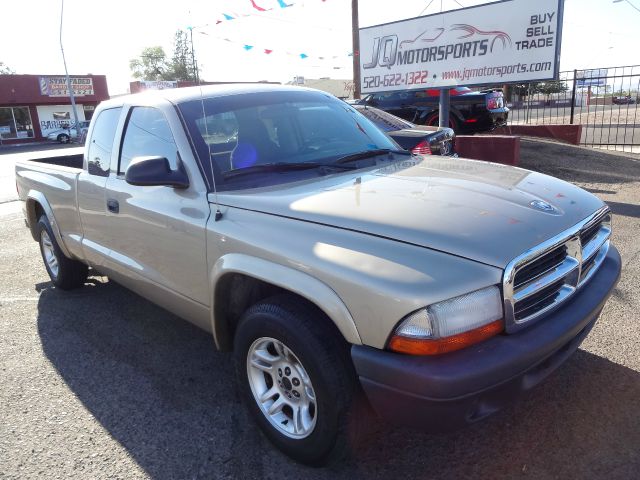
(100, 37)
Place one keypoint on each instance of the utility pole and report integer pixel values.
(356, 48)
(69, 87)
(193, 60)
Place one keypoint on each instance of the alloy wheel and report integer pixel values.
(282, 388)
(49, 253)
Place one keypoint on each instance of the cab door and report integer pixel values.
(157, 233)
(91, 188)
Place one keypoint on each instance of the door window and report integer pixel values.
(99, 150)
(147, 135)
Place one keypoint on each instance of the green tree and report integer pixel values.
(5, 70)
(152, 64)
(182, 66)
(554, 86)
(525, 89)
(547, 88)
(551, 87)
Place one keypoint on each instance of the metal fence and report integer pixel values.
(603, 100)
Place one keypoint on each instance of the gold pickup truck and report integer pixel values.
(343, 272)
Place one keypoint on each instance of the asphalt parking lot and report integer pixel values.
(99, 383)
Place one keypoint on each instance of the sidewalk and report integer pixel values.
(34, 147)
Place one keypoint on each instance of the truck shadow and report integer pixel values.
(158, 387)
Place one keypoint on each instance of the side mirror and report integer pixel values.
(154, 171)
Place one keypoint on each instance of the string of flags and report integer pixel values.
(268, 51)
(262, 6)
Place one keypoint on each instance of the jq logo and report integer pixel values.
(473, 42)
(389, 47)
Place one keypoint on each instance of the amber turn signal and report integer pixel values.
(437, 346)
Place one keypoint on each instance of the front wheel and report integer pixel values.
(297, 379)
(63, 138)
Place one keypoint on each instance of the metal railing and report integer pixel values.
(603, 100)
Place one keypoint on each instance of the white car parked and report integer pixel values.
(64, 135)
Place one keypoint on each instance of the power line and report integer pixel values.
(425, 8)
(618, 1)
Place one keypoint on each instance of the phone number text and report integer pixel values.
(396, 79)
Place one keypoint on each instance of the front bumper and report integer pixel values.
(446, 392)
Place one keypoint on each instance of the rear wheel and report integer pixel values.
(296, 377)
(64, 272)
(63, 138)
(433, 119)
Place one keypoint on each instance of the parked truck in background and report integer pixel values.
(340, 270)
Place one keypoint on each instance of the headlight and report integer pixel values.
(451, 324)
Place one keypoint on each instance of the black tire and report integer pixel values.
(432, 120)
(324, 354)
(63, 138)
(70, 273)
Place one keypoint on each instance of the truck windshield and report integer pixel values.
(237, 132)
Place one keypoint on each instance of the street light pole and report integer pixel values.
(69, 87)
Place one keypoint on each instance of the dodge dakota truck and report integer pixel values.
(345, 274)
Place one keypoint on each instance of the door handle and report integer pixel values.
(113, 206)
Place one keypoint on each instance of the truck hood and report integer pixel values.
(486, 212)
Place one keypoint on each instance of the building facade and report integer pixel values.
(144, 85)
(32, 106)
(340, 88)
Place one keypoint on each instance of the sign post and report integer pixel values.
(465, 47)
(573, 97)
(445, 100)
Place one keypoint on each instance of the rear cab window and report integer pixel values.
(101, 144)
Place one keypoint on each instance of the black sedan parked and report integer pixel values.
(419, 139)
(471, 112)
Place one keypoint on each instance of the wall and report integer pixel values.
(25, 89)
(339, 88)
(44, 97)
(50, 118)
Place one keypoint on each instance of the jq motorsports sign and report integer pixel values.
(501, 42)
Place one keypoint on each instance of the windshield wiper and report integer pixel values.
(280, 167)
(368, 154)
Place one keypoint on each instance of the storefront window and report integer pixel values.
(15, 122)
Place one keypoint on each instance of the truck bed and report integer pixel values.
(72, 159)
(51, 180)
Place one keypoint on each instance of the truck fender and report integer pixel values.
(35, 197)
(289, 279)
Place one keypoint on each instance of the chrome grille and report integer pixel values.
(539, 280)
(540, 266)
